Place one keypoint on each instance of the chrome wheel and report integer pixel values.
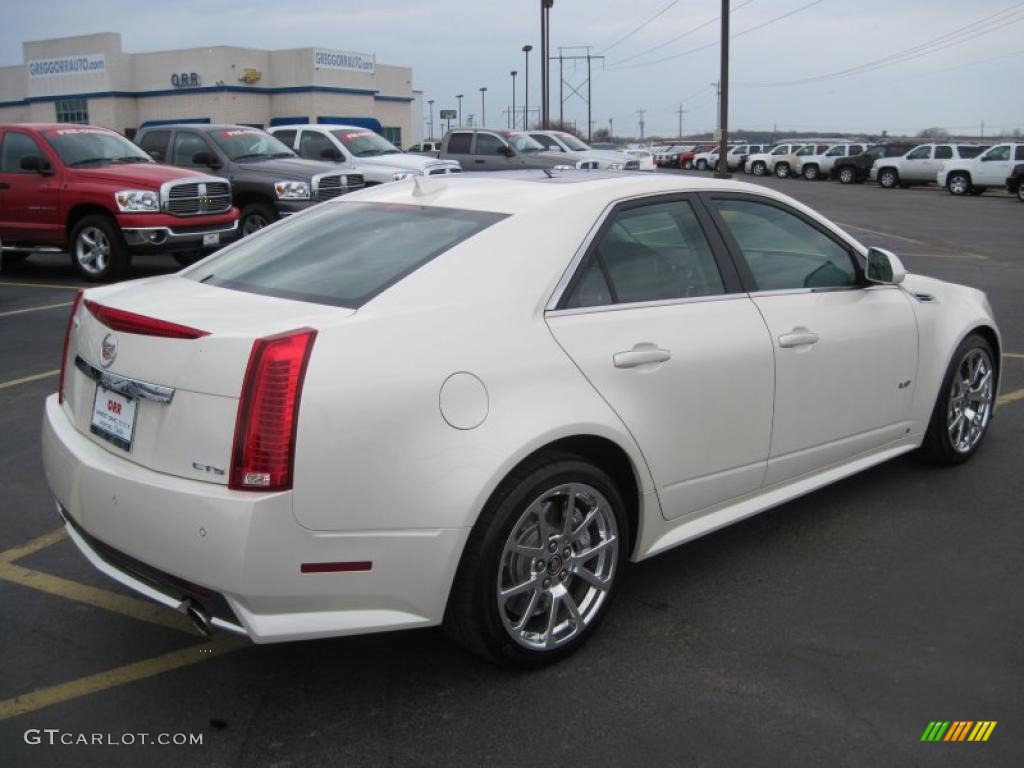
(846, 176)
(759, 169)
(970, 400)
(782, 170)
(92, 250)
(557, 566)
(887, 178)
(959, 184)
(1020, 192)
(811, 172)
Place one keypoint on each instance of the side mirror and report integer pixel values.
(330, 153)
(884, 268)
(507, 151)
(35, 164)
(205, 158)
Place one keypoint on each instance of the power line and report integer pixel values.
(630, 34)
(756, 27)
(958, 36)
(679, 37)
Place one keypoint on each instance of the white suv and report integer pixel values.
(920, 165)
(974, 176)
(817, 165)
(764, 162)
(377, 159)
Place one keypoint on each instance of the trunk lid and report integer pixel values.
(191, 435)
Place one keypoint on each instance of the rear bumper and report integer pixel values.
(175, 540)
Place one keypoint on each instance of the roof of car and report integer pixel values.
(520, 191)
(202, 126)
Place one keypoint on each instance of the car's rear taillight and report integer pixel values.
(67, 341)
(263, 456)
(129, 322)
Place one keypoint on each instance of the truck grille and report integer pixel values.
(443, 170)
(337, 184)
(197, 198)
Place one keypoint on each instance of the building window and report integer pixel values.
(393, 134)
(72, 111)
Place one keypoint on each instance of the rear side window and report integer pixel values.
(459, 143)
(342, 254)
(943, 153)
(155, 144)
(1018, 153)
(970, 151)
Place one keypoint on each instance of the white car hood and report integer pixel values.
(407, 162)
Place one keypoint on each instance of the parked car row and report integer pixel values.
(490, 149)
(962, 168)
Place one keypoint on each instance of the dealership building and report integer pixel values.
(90, 79)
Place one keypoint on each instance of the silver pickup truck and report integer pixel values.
(489, 149)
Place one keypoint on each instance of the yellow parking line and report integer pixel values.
(27, 379)
(140, 670)
(30, 547)
(35, 309)
(51, 286)
(1010, 397)
(142, 610)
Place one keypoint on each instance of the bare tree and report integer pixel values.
(934, 132)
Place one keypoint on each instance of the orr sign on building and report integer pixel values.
(91, 79)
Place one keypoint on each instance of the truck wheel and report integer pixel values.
(702, 165)
(98, 251)
(759, 168)
(782, 170)
(688, 165)
(888, 178)
(1020, 192)
(958, 184)
(847, 175)
(811, 172)
(256, 216)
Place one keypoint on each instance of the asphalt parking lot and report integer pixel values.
(829, 631)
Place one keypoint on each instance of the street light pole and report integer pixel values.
(431, 103)
(513, 115)
(545, 62)
(723, 97)
(483, 107)
(459, 97)
(526, 89)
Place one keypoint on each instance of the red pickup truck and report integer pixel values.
(92, 192)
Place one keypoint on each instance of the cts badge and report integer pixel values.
(108, 350)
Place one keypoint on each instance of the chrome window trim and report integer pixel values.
(124, 385)
(645, 304)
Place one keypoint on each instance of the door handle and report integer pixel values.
(641, 354)
(798, 337)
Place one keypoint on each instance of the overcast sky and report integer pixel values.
(456, 47)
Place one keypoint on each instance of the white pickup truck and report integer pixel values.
(975, 175)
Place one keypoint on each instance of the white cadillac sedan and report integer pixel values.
(471, 401)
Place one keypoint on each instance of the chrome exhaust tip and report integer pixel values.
(200, 619)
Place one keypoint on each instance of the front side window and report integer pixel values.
(1002, 152)
(546, 141)
(72, 111)
(654, 252)
(393, 135)
(312, 145)
(856, 149)
(943, 152)
(836, 152)
(286, 137)
(573, 143)
(84, 146)
(805, 151)
(921, 153)
(784, 150)
(459, 143)
(249, 144)
(14, 147)
(521, 142)
(154, 144)
(783, 250)
(187, 145)
(340, 253)
(488, 144)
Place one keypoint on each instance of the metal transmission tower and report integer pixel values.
(562, 58)
(681, 112)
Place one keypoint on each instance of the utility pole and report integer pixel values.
(512, 115)
(611, 128)
(545, 49)
(431, 103)
(526, 88)
(983, 129)
(459, 97)
(483, 106)
(641, 113)
(561, 89)
(723, 97)
(681, 112)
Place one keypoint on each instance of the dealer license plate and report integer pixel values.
(113, 417)
(211, 239)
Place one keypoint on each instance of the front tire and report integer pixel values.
(959, 184)
(702, 165)
(688, 165)
(255, 216)
(759, 168)
(847, 175)
(964, 406)
(98, 251)
(782, 170)
(1020, 192)
(888, 178)
(811, 172)
(541, 564)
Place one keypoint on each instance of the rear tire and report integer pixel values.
(98, 251)
(888, 178)
(811, 172)
(759, 168)
(688, 165)
(1020, 192)
(782, 170)
(847, 175)
(963, 409)
(524, 543)
(702, 165)
(958, 184)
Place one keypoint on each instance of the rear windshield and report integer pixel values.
(341, 253)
